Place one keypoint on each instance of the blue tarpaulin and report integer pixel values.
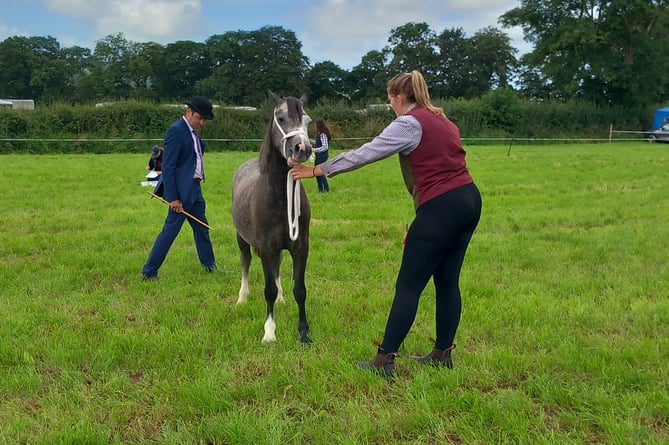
(661, 116)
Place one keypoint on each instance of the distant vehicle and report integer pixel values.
(659, 135)
(18, 104)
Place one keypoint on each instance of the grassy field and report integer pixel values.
(564, 337)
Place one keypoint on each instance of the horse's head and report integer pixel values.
(289, 128)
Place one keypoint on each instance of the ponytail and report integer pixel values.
(413, 85)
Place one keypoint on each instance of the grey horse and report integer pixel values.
(271, 211)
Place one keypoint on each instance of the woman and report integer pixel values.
(321, 146)
(448, 208)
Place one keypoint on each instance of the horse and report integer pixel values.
(271, 212)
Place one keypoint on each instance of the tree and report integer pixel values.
(30, 67)
(413, 47)
(609, 51)
(48, 77)
(492, 60)
(108, 77)
(146, 61)
(368, 80)
(76, 61)
(533, 83)
(15, 68)
(326, 80)
(225, 55)
(185, 63)
(248, 63)
(455, 59)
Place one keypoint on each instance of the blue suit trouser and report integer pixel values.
(171, 229)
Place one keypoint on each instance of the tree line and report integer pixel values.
(604, 52)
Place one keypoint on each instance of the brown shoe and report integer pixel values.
(436, 357)
(383, 363)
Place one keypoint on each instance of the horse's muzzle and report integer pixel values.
(299, 148)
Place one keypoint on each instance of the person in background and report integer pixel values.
(156, 160)
(179, 184)
(321, 147)
(447, 205)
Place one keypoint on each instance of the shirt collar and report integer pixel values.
(187, 123)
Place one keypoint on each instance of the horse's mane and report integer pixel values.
(295, 114)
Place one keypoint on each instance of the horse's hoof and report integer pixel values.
(304, 338)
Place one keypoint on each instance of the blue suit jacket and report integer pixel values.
(179, 161)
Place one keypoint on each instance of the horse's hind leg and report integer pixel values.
(245, 258)
(300, 293)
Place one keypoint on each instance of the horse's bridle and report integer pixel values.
(285, 136)
(292, 185)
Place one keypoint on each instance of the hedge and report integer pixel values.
(135, 126)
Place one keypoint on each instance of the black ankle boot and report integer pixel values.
(436, 357)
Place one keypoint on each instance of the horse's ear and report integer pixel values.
(303, 99)
(273, 97)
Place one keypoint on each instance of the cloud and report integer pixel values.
(7, 31)
(345, 30)
(75, 8)
(164, 21)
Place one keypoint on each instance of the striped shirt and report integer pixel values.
(324, 144)
(402, 135)
(199, 165)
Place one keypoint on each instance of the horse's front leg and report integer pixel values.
(269, 265)
(277, 280)
(245, 259)
(300, 291)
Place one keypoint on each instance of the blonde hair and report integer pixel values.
(413, 85)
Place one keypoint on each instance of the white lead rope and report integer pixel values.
(292, 185)
(293, 195)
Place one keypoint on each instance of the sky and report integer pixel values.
(341, 31)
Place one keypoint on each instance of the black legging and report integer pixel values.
(435, 247)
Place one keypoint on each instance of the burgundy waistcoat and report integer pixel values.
(437, 165)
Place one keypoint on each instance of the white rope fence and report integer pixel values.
(610, 138)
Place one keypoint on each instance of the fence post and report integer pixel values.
(509, 151)
(610, 132)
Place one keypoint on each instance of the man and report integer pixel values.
(182, 173)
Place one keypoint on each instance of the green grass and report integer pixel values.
(564, 336)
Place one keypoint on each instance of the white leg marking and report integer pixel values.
(244, 290)
(270, 328)
(279, 295)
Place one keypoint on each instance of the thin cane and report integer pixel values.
(183, 211)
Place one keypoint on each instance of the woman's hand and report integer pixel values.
(302, 171)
